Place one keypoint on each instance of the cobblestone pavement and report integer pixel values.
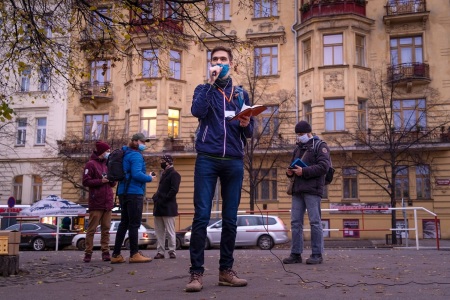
(363, 273)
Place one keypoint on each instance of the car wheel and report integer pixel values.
(127, 244)
(81, 244)
(178, 243)
(265, 242)
(207, 244)
(38, 244)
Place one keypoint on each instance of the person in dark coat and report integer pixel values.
(166, 208)
(101, 200)
(307, 192)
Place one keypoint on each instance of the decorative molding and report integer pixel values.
(362, 82)
(148, 92)
(306, 85)
(175, 93)
(333, 81)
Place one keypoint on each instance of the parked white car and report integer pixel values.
(252, 230)
(146, 237)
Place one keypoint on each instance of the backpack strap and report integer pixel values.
(316, 150)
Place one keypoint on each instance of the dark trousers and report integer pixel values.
(130, 219)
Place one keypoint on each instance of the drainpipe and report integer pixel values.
(297, 104)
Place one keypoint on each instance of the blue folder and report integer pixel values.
(298, 162)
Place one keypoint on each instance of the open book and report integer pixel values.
(248, 111)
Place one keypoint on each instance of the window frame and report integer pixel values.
(270, 181)
(423, 182)
(175, 64)
(265, 9)
(333, 111)
(173, 123)
(360, 50)
(261, 59)
(25, 79)
(395, 51)
(362, 114)
(419, 110)
(336, 57)
(307, 54)
(219, 10)
(96, 68)
(41, 131)
(149, 131)
(307, 111)
(152, 61)
(402, 189)
(36, 188)
(18, 188)
(44, 78)
(21, 131)
(102, 121)
(350, 183)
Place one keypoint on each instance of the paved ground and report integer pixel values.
(366, 272)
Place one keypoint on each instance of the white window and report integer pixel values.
(406, 50)
(334, 115)
(148, 122)
(101, 71)
(219, 10)
(25, 80)
(44, 78)
(410, 114)
(265, 8)
(41, 130)
(150, 66)
(173, 127)
(95, 127)
(175, 64)
(37, 188)
(333, 49)
(360, 50)
(266, 61)
(21, 134)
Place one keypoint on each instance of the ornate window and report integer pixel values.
(266, 61)
(333, 49)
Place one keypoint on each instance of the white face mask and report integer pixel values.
(303, 138)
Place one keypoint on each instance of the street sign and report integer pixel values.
(11, 202)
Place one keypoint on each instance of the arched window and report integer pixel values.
(37, 188)
(17, 188)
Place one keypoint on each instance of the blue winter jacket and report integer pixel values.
(134, 168)
(217, 136)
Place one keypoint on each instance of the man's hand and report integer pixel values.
(297, 171)
(214, 72)
(244, 121)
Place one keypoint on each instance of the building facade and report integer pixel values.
(370, 77)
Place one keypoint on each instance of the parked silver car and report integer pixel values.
(146, 237)
(252, 230)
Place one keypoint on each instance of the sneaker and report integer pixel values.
(139, 258)
(293, 259)
(117, 259)
(172, 255)
(229, 278)
(159, 256)
(314, 259)
(106, 256)
(87, 257)
(195, 283)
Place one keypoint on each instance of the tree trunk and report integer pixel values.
(9, 265)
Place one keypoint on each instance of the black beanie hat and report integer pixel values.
(303, 127)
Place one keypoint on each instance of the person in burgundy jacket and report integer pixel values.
(101, 200)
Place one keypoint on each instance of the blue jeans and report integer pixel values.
(130, 219)
(231, 173)
(300, 203)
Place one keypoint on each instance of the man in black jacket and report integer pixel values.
(166, 208)
(307, 192)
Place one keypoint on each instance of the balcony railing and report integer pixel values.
(85, 147)
(408, 72)
(420, 136)
(318, 8)
(405, 7)
(99, 91)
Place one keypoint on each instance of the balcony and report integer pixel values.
(409, 72)
(99, 92)
(320, 8)
(421, 136)
(74, 146)
(406, 11)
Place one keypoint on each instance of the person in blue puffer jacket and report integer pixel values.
(131, 193)
(220, 146)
